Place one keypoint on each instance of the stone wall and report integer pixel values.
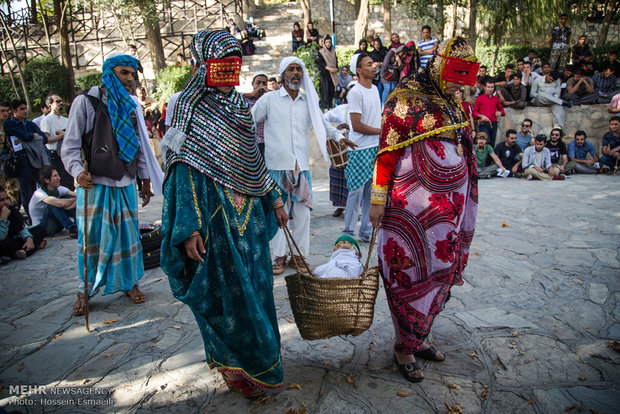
(593, 119)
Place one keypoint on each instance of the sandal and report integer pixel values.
(297, 263)
(406, 369)
(429, 354)
(79, 307)
(244, 387)
(278, 265)
(136, 295)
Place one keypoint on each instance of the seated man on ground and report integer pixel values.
(525, 137)
(580, 89)
(612, 62)
(483, 152)
(513, 95)
(578, 151)
(534, 61)
(510, 154)
(16, 241)
(559, 157)
(537, 161)
(605, 85)
(504, 78)
(52, 206)
(611, 145)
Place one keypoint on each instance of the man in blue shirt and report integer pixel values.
(578, 151)
(28, 142)
(611, 145)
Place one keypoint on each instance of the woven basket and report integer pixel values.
(333, 306)
(337, 154)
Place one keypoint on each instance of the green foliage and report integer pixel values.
(88, 81)
(44, 76)
(423, 11)
(171, 80)
(344, 55)
(308, 54)
(6, 90)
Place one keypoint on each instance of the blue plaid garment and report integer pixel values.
(120, 106)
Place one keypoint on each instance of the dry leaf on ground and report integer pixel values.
(484, 394)
(455, 409)
(473, 355)
(504, 224)
(293, 385)
(531, 401)
(84, 381)
(350, 379)
(582, 378)
(109, 321)
(57, 336)
(454, 386)
(402, 393)
(514, 333)
(20, 367)
(176, 326)
(289, 320)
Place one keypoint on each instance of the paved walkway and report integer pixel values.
(528, 332)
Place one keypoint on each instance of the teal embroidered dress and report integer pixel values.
(231, 293)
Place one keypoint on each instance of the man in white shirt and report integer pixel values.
(365, 113)
(54, 126)
(44, 111)
(288, 115)
(546, 92)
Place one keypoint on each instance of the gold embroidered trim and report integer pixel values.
(233, 201)
(191, 180)
(414, 138)
(428, 122)
(401, 110)
(392, 137)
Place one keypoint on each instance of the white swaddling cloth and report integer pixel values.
(343, 263)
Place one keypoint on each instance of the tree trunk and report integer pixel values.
(387, 19)
(13, 84)
(305, 7)
(361, 24)
(441, 21)
(611, 6)
(473, 11)
(498, 38)
(454, 18)
(60, 14)
(356, 5)
(33, 11)
(156, 47)
(19, 66)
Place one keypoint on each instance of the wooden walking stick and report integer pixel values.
(85, 252)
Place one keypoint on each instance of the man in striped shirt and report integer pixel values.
(427, 46)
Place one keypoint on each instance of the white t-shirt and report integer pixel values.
(37, 207)
(52, 123)
(170, 108)
(365, 101)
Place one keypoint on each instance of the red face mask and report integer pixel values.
(223, 72)
(460, 71)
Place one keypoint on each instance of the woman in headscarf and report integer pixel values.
(328, 67)
(425, 198)
(221, 208)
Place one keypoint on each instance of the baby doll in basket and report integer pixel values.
(345, 260)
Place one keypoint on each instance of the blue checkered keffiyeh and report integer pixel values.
(120, 106)
(359, 168)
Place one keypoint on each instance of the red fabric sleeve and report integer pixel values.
(384, 167)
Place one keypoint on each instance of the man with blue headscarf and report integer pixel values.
(106, 129)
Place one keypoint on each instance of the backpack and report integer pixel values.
(101, 147)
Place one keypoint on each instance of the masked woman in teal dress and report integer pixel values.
(221, 208)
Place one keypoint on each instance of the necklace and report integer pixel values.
(458, 130)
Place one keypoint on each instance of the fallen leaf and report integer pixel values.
(477, 253)
(473, 355)
(454, 386)
(84, 381)
(580, 282)
(109, 321)
(512, 346)
(293, 385)
(504, 224)
(325, 346)
(455, 409)
(57, 336)
(289, 320)
(527, 361)
(571, 408)
(107, 355)
(514, 333)
(484, 394)
(531, 401)
(586, 327)
(402, 394)
(20, 367)
(521, 352)
(350, 378)
(262, 400)
(327, 363)
(373, 343)
(177, 326)
(582, 378)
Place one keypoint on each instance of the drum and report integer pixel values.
(337, 154)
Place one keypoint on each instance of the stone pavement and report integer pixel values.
(528, 332)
